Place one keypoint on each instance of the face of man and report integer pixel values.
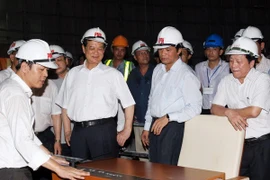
(213, 53)
(62, 65)
(94, 52)
(185, 56)
(35, 75)
(13, 59)
(169, 55)
(142, 57)
(119, 53)
(240, 66)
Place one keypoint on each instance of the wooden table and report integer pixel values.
(148, 170)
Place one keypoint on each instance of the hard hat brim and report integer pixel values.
(234, 51)
(49, 64)
(97, 40)
(141, 49)
(57, 55)
(161, 46)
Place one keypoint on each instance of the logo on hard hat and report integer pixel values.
(98, 34)
(161, 40)
(49, 55)
(52, 51)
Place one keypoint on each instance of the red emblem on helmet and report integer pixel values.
(142, 45)
(52, 51)
(49, 55)
(161, 40)
(98, 34)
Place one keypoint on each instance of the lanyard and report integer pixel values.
(209, 78)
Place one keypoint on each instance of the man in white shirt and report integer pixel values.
(19, 145)
(210, 72)
(174, 98)
(262, 64)
(89, 97)
(14, 47)
(62, 62)
(246, 92)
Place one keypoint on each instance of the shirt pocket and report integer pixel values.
(45, 106)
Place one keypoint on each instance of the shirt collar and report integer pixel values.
(177, 64)
(98, 67)
(24, 86)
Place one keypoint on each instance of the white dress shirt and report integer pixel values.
(19, 146)
(93, 94)
(44, 106)
(176, 93)
(6, 73)
(264, 65)
(255, 91)
(210, 78)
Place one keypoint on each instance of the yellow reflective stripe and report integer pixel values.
(108, 62)
(126, 70)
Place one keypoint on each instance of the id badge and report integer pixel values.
(209, 90)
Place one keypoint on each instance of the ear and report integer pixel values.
(135, 58)
(25, 67)
(83, 48)
(221, 52)
(179, 51)
(189, 56)
(262, 46)
(251, 64)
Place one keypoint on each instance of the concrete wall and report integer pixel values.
(63, 22)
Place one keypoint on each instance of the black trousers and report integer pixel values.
(165, 148)
(95, 142)
(15, 174)
(256, 160)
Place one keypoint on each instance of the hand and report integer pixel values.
(145, 138)
(122, 136)
(159, 124)
(60, 160)
(57, 148)
(237, 121)
(67, 137)
(68, 172)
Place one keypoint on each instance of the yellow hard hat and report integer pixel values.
(120, 41)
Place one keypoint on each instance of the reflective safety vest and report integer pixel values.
(128, 67)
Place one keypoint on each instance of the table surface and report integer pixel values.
(147, 170)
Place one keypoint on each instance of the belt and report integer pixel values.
(93, 122)
(254, 140)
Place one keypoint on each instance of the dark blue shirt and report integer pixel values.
(140, 86)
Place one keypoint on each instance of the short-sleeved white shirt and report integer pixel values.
(19, 146)
(93, 94)
(6, 73)
(264, 65)
(44, 107)
(210, 78)
(255, 91)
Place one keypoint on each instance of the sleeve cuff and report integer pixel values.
(38, 159)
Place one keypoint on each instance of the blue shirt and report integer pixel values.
(140, 86)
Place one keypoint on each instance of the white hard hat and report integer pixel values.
(57, 51)
(244, 45)
(188, 46)
(69, 55)
(168, 36)
(238, 34)
(252, 33)
(37, 51)
(139, 45)
(15, 46)
(95, 34)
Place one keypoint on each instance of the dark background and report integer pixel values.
(63, 22)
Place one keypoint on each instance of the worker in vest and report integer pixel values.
(119, 49)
